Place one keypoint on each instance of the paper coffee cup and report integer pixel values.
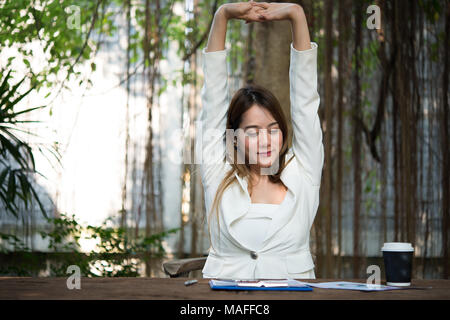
(398, 263)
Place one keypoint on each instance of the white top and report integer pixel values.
(258, 217)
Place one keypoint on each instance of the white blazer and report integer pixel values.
(285, 252)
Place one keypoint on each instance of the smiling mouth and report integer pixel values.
(266, 154)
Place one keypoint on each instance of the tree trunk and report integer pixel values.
(151, 73)
(127, 120)
(328, 181)
(395, 98)
(272, 52)
(445, 147)
(342, 75)
(194, 174)
(356, 145)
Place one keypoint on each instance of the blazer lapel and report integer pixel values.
(290, 178)
(237, 201)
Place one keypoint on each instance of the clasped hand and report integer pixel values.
(252, 11)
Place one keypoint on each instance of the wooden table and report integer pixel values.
(16, 288)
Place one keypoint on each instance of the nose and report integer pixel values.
(264, 139)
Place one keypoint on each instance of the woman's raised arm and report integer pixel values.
(248, 11)
(218, 32)
(211, 125)
(305, 100)
(300, 32)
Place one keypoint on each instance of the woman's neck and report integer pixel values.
(256, 177)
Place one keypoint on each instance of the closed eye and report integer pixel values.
(274, 131)
(251, 133)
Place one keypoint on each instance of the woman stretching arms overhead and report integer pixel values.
(261, 196)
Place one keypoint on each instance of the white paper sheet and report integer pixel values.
(345, 285)
(260, 283)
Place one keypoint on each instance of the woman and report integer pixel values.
(260, 210)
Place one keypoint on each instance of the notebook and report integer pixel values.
(268, 285)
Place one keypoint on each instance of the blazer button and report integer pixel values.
(254, 255)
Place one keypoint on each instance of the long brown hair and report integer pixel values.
(243, 100)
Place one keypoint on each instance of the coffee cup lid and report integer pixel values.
(397, 246)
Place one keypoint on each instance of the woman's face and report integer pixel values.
(261, 136)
